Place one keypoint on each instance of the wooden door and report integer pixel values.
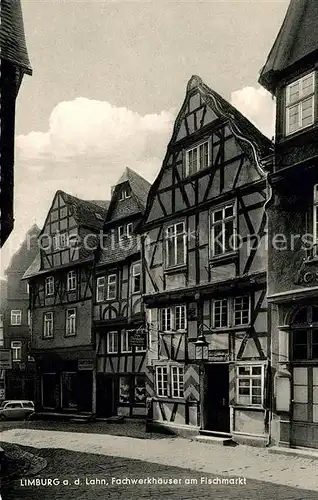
(216, 400)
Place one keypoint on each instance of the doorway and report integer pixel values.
(216, 398)
(104, 395)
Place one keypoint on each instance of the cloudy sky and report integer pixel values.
(108, 80)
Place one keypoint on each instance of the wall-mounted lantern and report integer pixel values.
(201, 347)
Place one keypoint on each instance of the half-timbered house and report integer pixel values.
(290, 74)
(61, 288)
(118, 312)
(204, 260)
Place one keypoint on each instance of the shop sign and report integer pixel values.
(138, 339)
(219, 355)
(85, 364)
(5, 359)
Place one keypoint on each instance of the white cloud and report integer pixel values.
(88, 127)
(258, 106)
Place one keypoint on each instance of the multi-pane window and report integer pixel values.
(70, 322)
(174, 318)
(242, 310)
(162, 381)
(125, 341)
(111, 286)
(169, 381)
(16, 317)
(48, 325)
(100, 289)
(197, 158)
(60, 241)
(132, 389)
(176, 245)
(136, 275)
(250, 385)
(176, 382)
(16, 347)
(125, 231)
(49, 285)
(300, 104)
(222, 232)
(231, 311)
(305, 334)
(220, 313)
(112, 342)
(71, 281)
(180, 318)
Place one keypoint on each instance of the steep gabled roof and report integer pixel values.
(296, 39)
(139, 186)
(90, 214)
(12, 37)
(252, 141)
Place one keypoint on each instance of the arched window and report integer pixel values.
(305, 334)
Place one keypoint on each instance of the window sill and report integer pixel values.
(175, 269)
(238, 406)
(48, 338)
(223, 257)
(69, 335)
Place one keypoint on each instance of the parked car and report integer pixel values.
(17, 409)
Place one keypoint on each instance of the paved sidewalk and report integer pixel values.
(244, 461)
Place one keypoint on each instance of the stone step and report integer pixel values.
(223, 441)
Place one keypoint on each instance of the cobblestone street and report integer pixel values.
(142, 455)
(83, 468)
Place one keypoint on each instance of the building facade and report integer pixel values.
(14, 64)
(290, 74)
(118, 314)
(61, 290)
(20, 380)
(204, 265)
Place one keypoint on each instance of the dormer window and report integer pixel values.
(197, 158)
(124, 194)
(300, 104)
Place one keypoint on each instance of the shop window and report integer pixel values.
(69, 390)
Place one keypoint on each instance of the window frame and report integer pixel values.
(213, 224)
(49, 286)
(45, 322)
(71, 281)
(125, 342)
(16, 350)
(167, 371)
(109, 284)
(174, 236)
(250, 377)
(112, 335)
(228, 312)
(288, 104)
(231, 312)
(249, 310)
(17, 314)
(163, 312)
(196, 147)
(68, 332)
(100, 289)
(133, 278)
